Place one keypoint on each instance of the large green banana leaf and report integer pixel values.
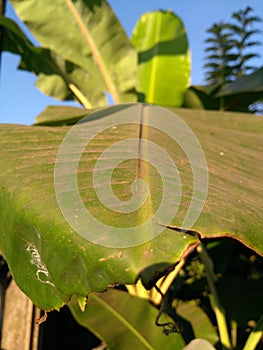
(87, 34)
(50, 261)
(164, 59)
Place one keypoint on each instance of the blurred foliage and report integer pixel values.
(229, 47)
(229, 51)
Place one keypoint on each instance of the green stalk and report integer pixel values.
(82, 99)
(234, 333)
(255, 336)
(154, 64)
(222, 103)
(218, 309)
(95, 52)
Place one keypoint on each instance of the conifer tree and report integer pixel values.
(229, 48)
(242, 32)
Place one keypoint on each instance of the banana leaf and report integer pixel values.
(87, 34)
(163, 57)
(54, 251)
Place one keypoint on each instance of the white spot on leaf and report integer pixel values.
(42, 273)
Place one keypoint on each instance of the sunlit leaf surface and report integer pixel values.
(50, 261)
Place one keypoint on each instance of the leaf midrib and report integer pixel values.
(154, 63)
(123, 321)
(95, 52)
(143, 167)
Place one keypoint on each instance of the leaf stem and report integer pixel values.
(152, 91)
(222, 103)
(165, 282)
(219, 311)
(255, 336)
(234, 333)
(95, 52)
(82, 99)
(123, 320)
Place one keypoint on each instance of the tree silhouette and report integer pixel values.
(229, 45)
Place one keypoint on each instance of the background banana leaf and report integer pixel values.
(126, 327)
(88, 35)
(164, 59)
(236, 96)
(55, 75)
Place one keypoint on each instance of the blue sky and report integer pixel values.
(21, 101)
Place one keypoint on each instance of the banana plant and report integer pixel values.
(85, 52)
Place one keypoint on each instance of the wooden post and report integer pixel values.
(20, 330)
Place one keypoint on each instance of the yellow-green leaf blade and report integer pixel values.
(164, 60)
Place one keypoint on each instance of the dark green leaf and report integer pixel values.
(61, 115)
(201, 324)
(201, 97)
(128, 322)
(249, 85)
